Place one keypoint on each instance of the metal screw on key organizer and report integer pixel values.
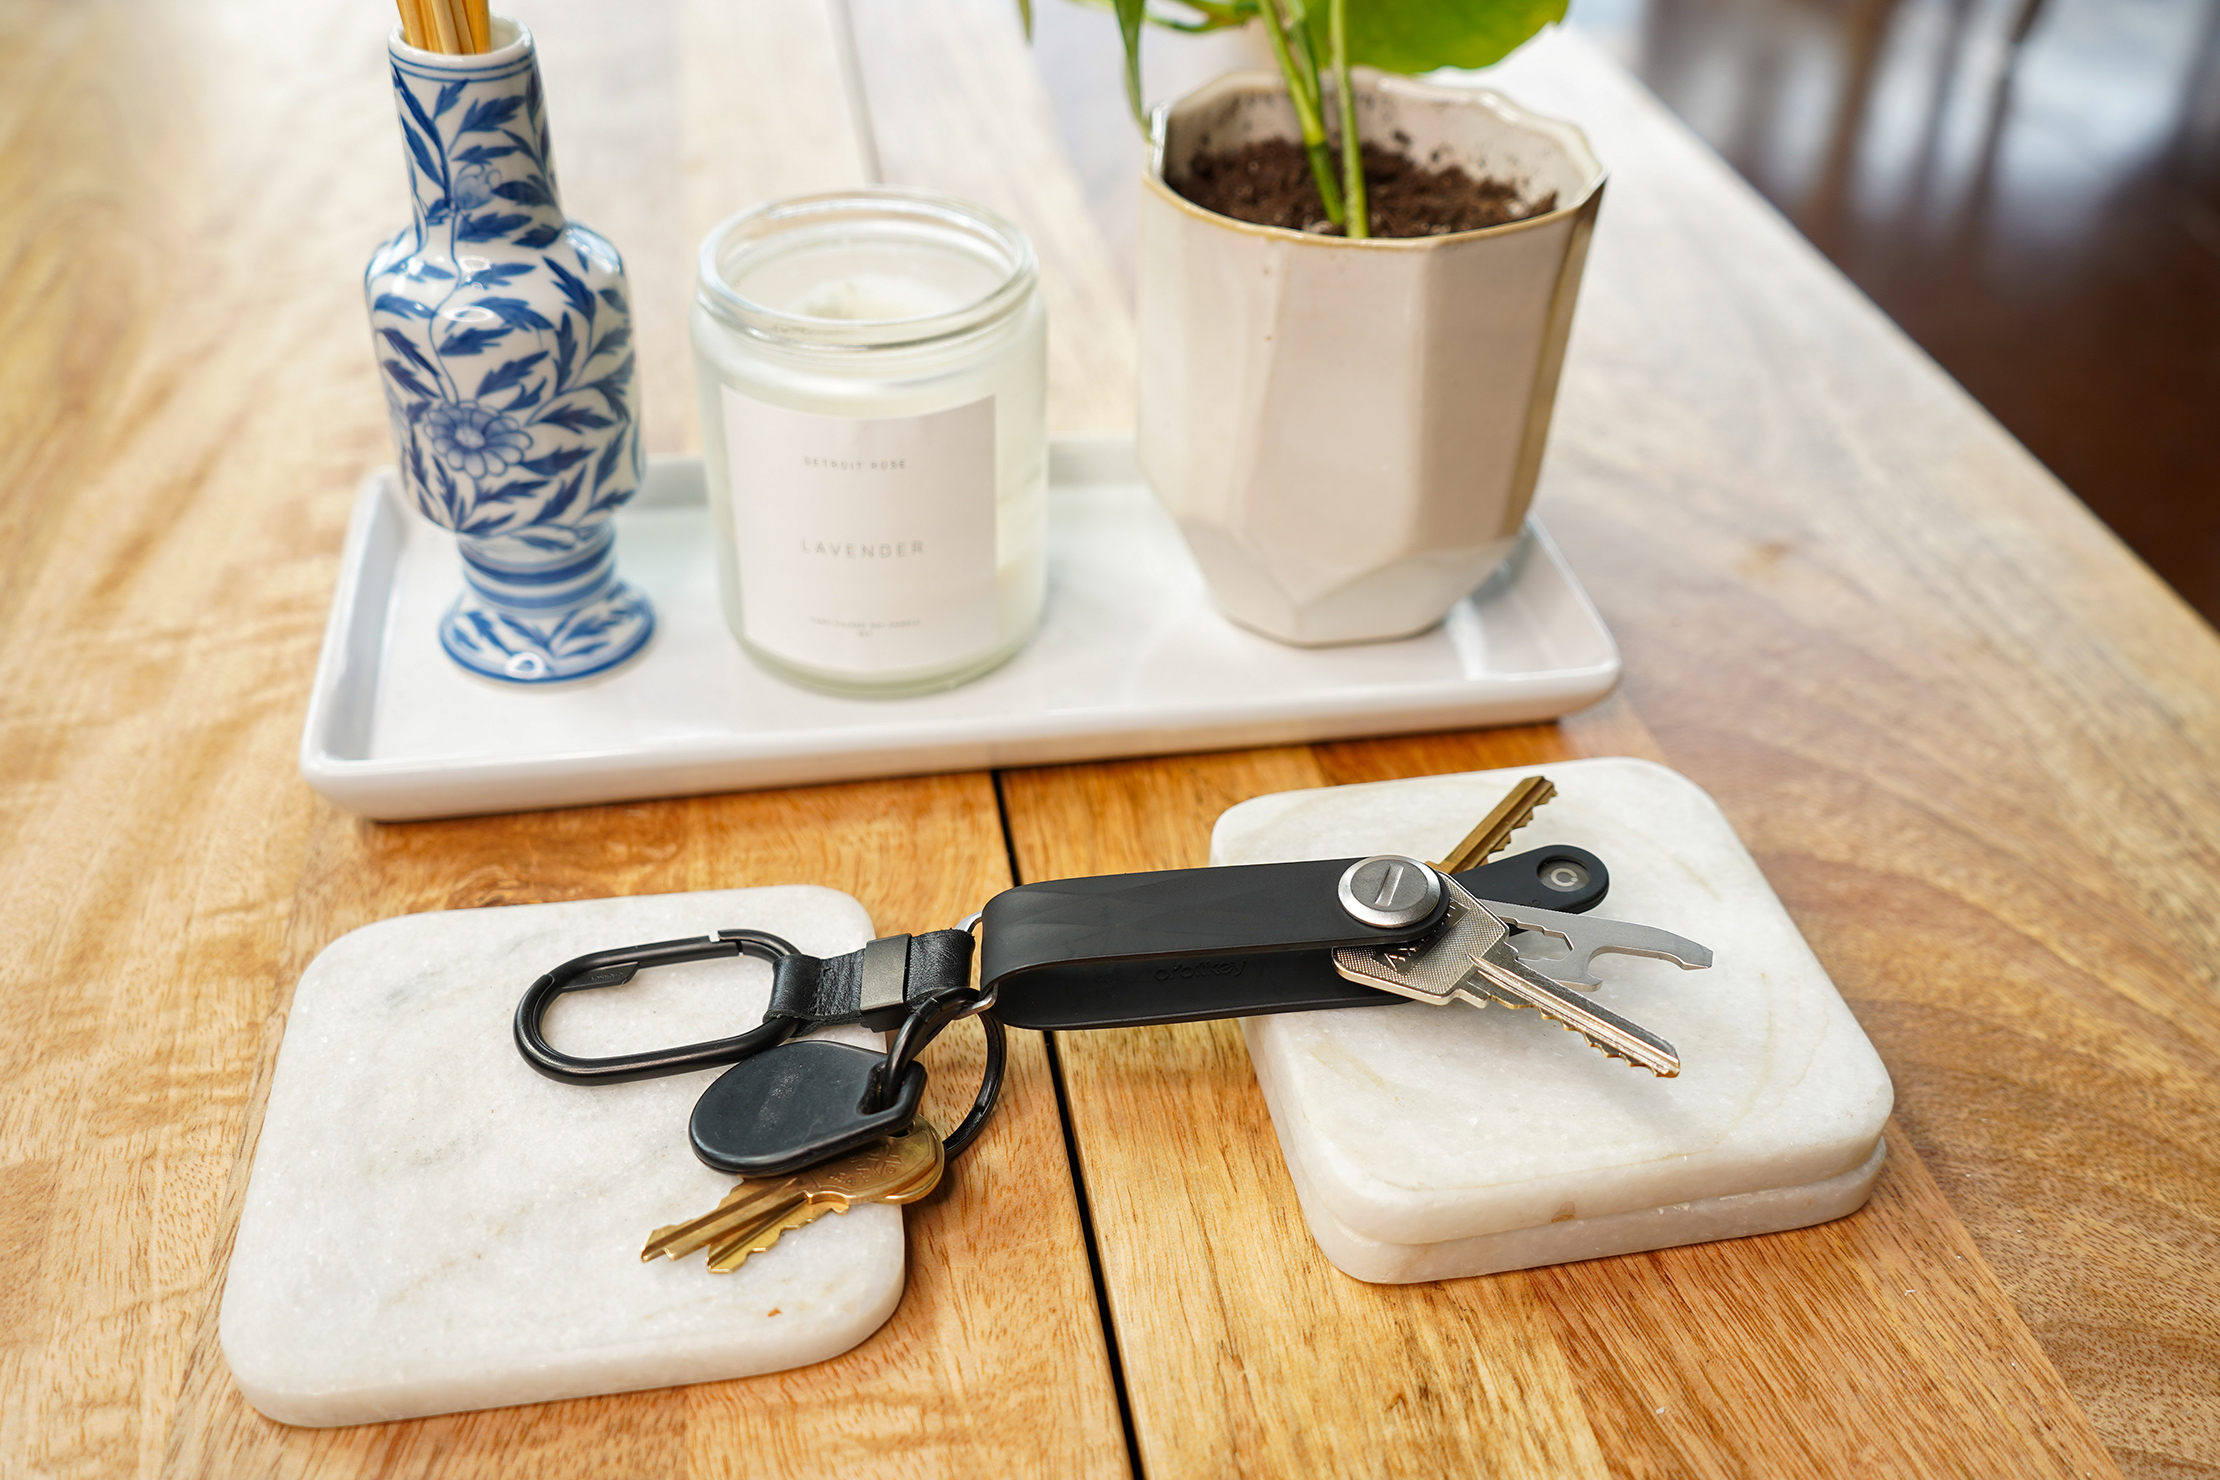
(1564, 876)
(1389, 891)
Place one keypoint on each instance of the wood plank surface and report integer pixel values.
(1878, 1344)
(999, 1290)
(1970, 737)
(189, 403)
(1972, 742)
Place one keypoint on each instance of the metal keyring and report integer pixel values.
(985, 1003)
(933, 1016)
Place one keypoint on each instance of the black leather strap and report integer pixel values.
(1184, 945)
(864, 987)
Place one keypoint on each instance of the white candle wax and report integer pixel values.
(872, 370)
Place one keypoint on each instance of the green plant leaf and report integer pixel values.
(1131, 13)
(1420, 35)
(1209, 15)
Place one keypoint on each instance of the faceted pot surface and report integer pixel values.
(1348, 432)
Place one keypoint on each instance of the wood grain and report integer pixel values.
(1002, 1228)
(190, 401)
(1970, 740)
(1879, 1344)
(1972, 743)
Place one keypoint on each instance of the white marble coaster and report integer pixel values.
(433, 1227)
(1435, 1142)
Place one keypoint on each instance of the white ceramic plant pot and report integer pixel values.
(1348, 432)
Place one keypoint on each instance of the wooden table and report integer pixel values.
(1975, 745)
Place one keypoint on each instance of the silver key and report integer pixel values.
(1471, 957)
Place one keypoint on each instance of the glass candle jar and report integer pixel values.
(873, 372)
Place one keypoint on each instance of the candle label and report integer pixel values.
(866, 543)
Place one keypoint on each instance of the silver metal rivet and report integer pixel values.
(1389, 891)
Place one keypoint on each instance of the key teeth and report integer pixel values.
(1628, 1059)
(743, 1238)
(1591, 1040)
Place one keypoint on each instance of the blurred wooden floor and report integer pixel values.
(2043, 216)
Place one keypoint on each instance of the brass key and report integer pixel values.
(751, 1217)
(1495, 829)
(728, 1254)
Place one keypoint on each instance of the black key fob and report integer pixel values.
(796, 1105)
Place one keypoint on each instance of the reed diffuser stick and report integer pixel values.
(453, 26)
(466, 39)
(443, 26)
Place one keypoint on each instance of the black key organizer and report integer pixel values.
(1118, 950)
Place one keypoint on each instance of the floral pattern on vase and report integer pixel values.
(504, 333)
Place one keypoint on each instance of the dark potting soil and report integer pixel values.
(1268, 183)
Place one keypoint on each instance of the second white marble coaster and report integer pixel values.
(1434, 1142)
(431, 1226)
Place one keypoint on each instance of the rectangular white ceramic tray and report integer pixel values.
(1131, 659)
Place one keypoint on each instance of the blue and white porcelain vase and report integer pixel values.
(504, 332)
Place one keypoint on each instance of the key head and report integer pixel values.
(921, 1186)
(1431, 969)
(796, 1105)
(867, 1175)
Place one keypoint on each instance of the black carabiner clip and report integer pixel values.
(926, 1018)
(614, 969)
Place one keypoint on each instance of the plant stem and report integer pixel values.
(1296, 13)
(1302, 91)
(1359, 223)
